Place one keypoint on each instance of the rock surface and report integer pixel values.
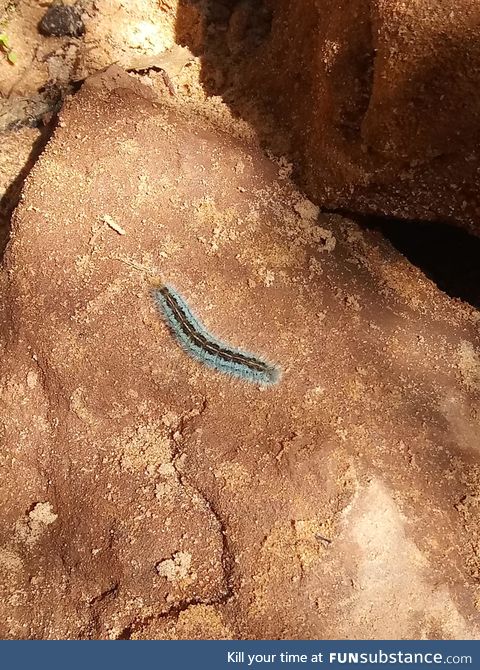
(146, 496)
(62, 21)
(380, 100)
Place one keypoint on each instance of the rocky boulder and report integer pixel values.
(145, 495)
(379, 97)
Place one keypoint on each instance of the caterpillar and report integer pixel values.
(195, 339)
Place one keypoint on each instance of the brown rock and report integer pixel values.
(380, 100)
(62, 20)
(144, 495)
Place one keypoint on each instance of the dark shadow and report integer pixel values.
(229, 38)
(448, 255)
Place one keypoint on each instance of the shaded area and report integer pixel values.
(448, 255)
(227, 35)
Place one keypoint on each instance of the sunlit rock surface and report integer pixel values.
(144, 495)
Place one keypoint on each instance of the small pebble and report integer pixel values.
(61, 21)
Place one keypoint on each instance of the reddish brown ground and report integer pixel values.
(147, 496)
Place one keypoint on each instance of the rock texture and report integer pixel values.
(380, 99)
(62, 21)
(146, 496)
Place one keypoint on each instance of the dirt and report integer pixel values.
(312, 509)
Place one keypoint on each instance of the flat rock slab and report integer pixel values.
(144, 495)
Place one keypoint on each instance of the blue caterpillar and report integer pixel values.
(193, 337)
